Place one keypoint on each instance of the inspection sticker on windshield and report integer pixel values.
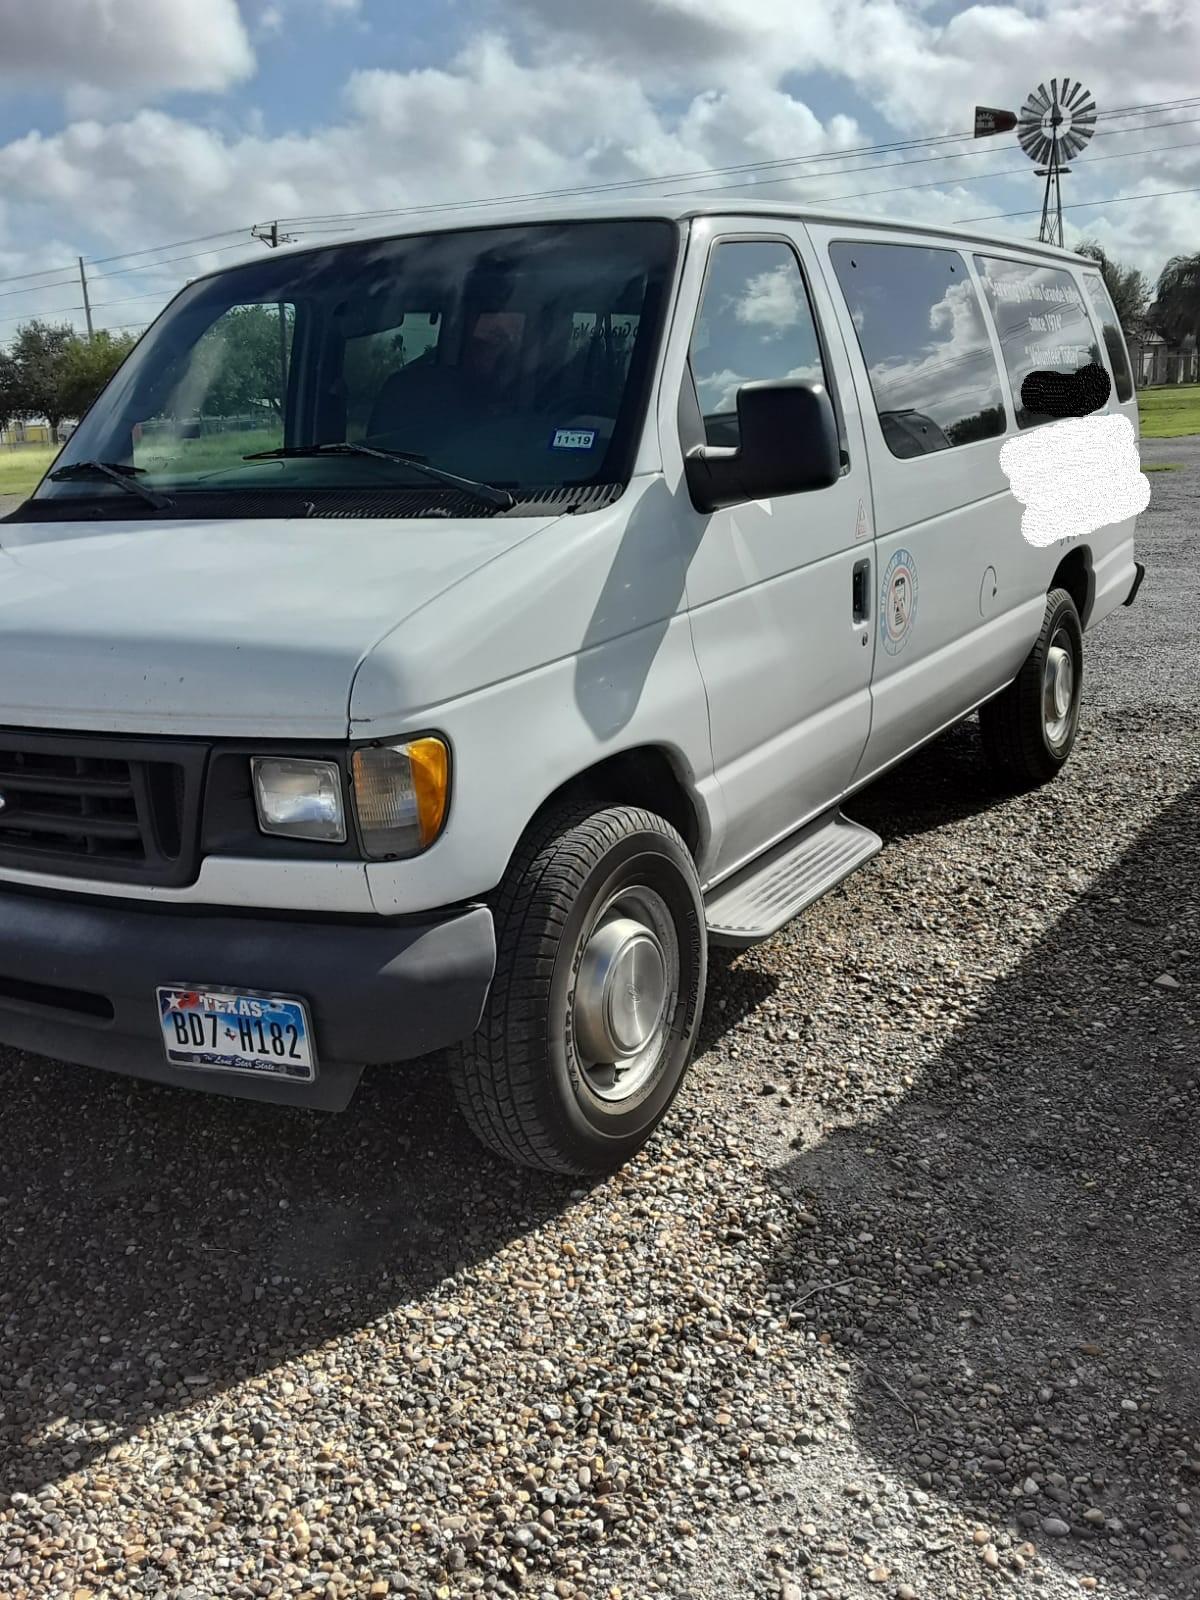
(263, 1035)
(573, 439)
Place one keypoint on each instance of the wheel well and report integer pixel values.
(642, 777)
(1074, 574)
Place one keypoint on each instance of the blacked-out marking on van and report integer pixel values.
(1066, 394)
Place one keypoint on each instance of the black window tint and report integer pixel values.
(1042, 322)
(755, 323)
(1114, 342)
(922, 335)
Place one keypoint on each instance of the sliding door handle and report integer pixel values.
(860, 591)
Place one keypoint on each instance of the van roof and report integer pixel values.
(444, 218)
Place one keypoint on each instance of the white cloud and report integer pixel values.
(772, 301)
(566, 95)
(922, 69)
(144, 46)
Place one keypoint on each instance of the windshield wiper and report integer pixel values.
(486, 492)
(125, 477)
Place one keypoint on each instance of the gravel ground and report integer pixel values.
(900, 1303)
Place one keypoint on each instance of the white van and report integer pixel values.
(434, 641)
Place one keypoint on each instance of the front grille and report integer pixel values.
(124, 810)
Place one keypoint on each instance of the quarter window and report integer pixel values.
(755, 323)
(1114, 340)
(1042, 323)
(922, 335)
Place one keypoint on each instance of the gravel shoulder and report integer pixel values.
(900, 1302)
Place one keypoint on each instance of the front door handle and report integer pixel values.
(860, 591)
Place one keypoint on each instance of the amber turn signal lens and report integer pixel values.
(401, 793)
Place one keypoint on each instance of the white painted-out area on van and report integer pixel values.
(1075, 476)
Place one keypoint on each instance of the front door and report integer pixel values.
(780, 592)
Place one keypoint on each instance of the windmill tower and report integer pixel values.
(1052, 129)
(1053, 126)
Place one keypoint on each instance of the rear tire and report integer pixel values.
(1029, 728)
(601, 962)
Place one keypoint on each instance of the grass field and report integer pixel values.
(21, 468)
(1169, 411)
(1166, 413)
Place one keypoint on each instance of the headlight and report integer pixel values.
(299, 799)
(400, 793)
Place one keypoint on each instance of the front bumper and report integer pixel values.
(78, 980)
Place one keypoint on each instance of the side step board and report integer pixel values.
(780, 884)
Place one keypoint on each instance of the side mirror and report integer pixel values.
(788, 442)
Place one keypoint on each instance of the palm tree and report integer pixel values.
(1126, 285)
(1176, 309)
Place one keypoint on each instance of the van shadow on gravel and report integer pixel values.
(158, 1246)
(1021, 1237)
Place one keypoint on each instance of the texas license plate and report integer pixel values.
(265, 1035)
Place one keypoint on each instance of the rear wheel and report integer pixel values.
(1029, 728)
(601, 960)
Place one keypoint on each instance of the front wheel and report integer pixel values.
(601, 961)
(1029, 728)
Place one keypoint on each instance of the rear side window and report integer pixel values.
(922, 335)
(1114, 341)
(755, 322)
(1042, 323)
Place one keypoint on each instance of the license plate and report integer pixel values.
(264, 1035)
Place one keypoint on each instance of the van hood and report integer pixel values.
(229, 628)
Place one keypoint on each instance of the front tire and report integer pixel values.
(1029, 728)
(601, 962)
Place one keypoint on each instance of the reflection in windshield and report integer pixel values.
(517, 357)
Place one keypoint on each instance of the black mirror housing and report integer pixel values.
(789, 444)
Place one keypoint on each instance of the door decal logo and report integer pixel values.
(862, 528)
(898, 602)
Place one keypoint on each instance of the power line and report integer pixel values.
(313, 223)
(1153, 105)
(1078, 205)
(175, 244)
(974, 177)
(151, 294)
(706, 172)
(621, 183)
(148, 266)
(888, 166)
(62, 283)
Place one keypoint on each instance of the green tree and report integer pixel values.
(87, 365)
(1126, 285)
(1176, 309)
(10, 391)
(242, 362)
(38, 352)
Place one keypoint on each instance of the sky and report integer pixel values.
(151, 125)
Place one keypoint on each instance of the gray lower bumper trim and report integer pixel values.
(78, 980)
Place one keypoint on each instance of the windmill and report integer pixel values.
(1053, 126)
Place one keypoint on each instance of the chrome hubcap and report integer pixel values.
(627, 980)
(1058, 688)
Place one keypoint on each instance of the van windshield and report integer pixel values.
(516, 359)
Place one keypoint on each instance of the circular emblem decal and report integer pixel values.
(898, 601)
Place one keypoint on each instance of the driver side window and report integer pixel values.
(755, 322)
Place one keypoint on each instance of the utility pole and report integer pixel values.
(87, 304)
(270, 235)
